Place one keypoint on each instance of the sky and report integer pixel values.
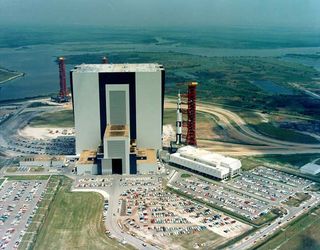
(162, 13)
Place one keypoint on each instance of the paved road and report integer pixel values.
(112, 194)
(111, 220)
(308, 92)
(18, 120)
(251, 240)
(250, 142)
(293, 212)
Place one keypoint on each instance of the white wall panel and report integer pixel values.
(87, 111)
(149, 109)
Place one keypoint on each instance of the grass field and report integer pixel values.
(249, 163)
(28, 239)
(207, 125)
(265, 218)
(268, 129)
(184, 175)
(291, 161)
(63, 119)
(27, 177)
(1, 181)
(229, 80)
(266, 124)
(11, 169)
(36, 169)
(301, 234)
(74, 221)
(297, 199)
(170, 116)
(209, 240)
(314, 188)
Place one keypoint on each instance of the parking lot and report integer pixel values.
(149, 211)
(251, 195)
(18, 205)
(235, 201)
(93, 182)
(269, 183)
(62, 145)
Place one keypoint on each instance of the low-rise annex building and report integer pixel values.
(42, 161)
(206, 163)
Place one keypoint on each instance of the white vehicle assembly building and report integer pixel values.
(118, 112)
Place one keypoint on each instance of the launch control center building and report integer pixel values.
(118, 114)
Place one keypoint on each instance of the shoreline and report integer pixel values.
(13, 77)
(24, 99)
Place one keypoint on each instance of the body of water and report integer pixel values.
(42, 78)
(272, 88)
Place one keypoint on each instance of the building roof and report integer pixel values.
(310, 168)
(150, 154)
(87, 157)
(92, 68)
(42, 158)
(209, 158)
(113, 130)
(222, 170)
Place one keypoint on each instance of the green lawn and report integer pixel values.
(248, 163)
(27, 177)
(265, 218)
(207, 125)
(297, 199)
(11, 169)
(208, 238)
(184, 175)
(272, 131)
(36, 169)
(74, 221)
(63, 119)
(254, 122)
(301, 234)
(314, 188)
(292, 161)
(228, 80)
(170, 117)
(258, 123)
(43, 208)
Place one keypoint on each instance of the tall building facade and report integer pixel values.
(118, 109)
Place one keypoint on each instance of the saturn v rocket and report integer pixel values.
(179, 121)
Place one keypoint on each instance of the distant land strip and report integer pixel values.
(17, 74)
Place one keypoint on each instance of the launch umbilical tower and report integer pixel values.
(105, 60)
(63, 93)
(190, 123)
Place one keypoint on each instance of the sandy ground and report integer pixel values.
(102, 192)
(45, 133)
(169, 134)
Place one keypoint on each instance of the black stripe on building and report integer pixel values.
(118, 78)
(72, 95)
(163, 75)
